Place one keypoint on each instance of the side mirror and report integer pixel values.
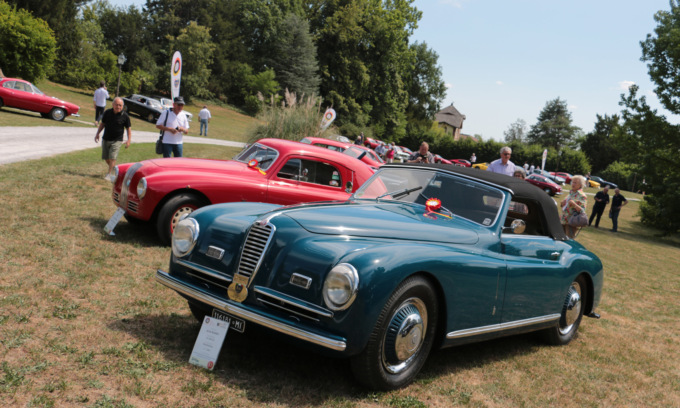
(348, 187)
(516, 227)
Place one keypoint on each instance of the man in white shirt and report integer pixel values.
(503, 165)
(204, 116)
(100, 97)
(175, 125)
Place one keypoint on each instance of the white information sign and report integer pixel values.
(209, 342)
(115, 218)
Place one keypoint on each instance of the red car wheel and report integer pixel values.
(173, 211)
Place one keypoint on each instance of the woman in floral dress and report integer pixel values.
(573, 204)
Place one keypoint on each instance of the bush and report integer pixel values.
(253, 105)
(624, 175)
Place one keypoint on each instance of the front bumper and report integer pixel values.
(236, 309)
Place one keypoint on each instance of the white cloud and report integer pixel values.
(572, 107)
(624, 85)
(448, 85)
(499, 82)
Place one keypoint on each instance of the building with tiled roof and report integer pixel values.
(451, 121)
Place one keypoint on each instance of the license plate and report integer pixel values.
(234, 322)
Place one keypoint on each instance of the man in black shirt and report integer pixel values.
(601, 201)
(618, 201)
(114, 122)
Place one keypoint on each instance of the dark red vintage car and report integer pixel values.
(544, 184)
(362, 153)
(20, 94)
(163, 191)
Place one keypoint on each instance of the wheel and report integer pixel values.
(572, 313)
(547, 190)
(401, 339)
(173, 211)
(57, 114)
(150, 117)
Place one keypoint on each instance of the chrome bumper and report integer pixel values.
(238, 311)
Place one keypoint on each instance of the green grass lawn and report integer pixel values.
(84, 323)
(226, 123)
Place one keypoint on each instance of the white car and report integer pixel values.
(400, 155)
(167, 104)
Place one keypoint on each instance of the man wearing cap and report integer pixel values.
(174, 124)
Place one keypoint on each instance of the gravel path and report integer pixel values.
(27, 143)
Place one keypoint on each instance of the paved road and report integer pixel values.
(27, 143)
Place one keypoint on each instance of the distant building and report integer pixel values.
(451, 121)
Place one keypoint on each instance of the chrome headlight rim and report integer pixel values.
(141, 188)
(341, 272)
(185, 236)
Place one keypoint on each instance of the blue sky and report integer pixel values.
(502, 60)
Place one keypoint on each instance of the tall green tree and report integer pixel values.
(600, 145)
(364, 58)
(294, 57)
(27, 44)
(517, 132)
(554, 126)
(424, 84)
(653, 143)
(61, 15)
(661, 51)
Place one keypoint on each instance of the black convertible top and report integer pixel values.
(522, 191)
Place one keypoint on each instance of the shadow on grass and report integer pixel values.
(138, 233)
(265, 363)
(261, 362)
(635, 231)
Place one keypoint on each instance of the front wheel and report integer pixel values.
(173, 212)
(401, 339)
(150, 117)
(572, 313)
(57, 114)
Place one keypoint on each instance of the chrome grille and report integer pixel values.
(254, 248)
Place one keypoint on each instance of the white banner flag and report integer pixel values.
(328, 118)
(545, 156)
(175, 74)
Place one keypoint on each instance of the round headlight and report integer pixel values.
(141, 188)
(184, 237)
(340, 287)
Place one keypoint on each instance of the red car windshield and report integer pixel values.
(264, 155)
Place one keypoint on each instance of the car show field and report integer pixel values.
(84, 323)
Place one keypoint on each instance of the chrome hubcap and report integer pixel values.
(572, 308)
(405, 335)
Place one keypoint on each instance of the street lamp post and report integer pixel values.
(121, 61)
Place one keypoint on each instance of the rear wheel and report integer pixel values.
(57, 114)
(572, 313)
(401, 339)
(173, 211)
(150, 117)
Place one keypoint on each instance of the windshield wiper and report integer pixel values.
(400, 193)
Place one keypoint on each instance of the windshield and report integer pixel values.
(264, 155)
(462, 197)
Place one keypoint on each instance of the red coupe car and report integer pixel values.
(439, 159)
(566, 176)
(461, 162)
(544, 184)
(20, 94)
(276, 171)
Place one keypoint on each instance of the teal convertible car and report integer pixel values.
(420, 257)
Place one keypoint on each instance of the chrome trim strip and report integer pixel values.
(175, 284)
(284, 309)
(312, 308)
(503, 326)
(206, 271)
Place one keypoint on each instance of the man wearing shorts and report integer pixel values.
(114, 122)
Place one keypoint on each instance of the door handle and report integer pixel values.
(555, 255)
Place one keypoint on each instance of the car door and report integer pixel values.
(305, 179)
(535, 268)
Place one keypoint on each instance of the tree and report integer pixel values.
(653, 143)
(196, 48)
(61, 16)
(294, 57)
(426, 89)
(553, 128)
(661, 52)
(516, 132)
(27, 44)
(600, 145)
